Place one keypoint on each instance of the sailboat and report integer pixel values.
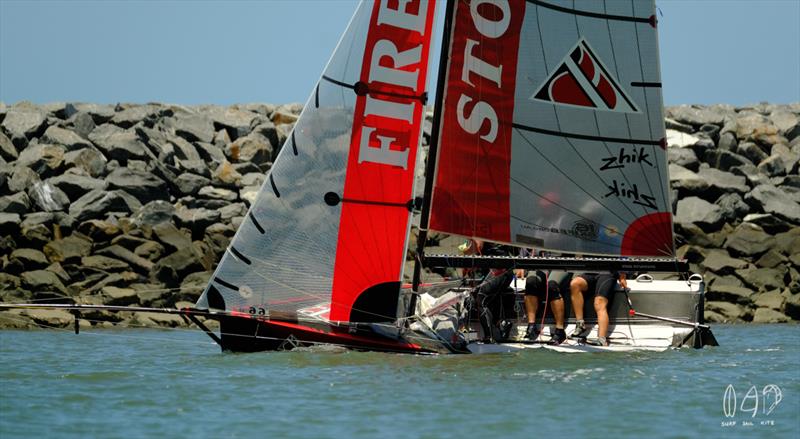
(548, 133)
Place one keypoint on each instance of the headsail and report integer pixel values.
(326, 235)
(552, 134)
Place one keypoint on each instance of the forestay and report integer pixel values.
(325, 238)
(552, 133)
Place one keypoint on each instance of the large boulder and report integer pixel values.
(42, 158)
(17, 203)
(748, 240)
(172, 238)
(28, 259)
(23, 122)
(770, 199)
(695, 210)
(21, 179)
(144, 186)
(48, 197)
(190, 184)
(43, 281)
(69, 249)
(89, 160)
(767, 315)
(171, 269)
(75, 186)
(7, 149)
(764, 279)
(194, 127)
(117, 144)
(196, 219)
(9, 223)
(719, 261)
(730, 293)
(153, 213)
(722, 182)
(68, 139)
(129, 258)
(129, 115)
(96, 203)
(733, 207)
(695, 115)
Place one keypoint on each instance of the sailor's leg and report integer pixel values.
(577, 287)
(601, 308)
(557, 306)
(533, 286)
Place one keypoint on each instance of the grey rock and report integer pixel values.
(154, 212)
(773, 200)
(730, 293)
(35, 236)
(753, 152)
(28, 259)
(100, 113)
(185, 150)
(149, 250)
(217, 193)
(194, 127)
(48, 197)
(733, 207)
(75, 186)
(683, 157)
(42, 158)
(766, 315)
(700, 212)
(197, 167)
(196, 219)
(66, 138)
(103, 263)
(69, 249)
(685, 180)
(21, 179)
(99, 230)
(248, 194)
(96, 203)
(128, 257)
(731, 312)
(720, 262)
(128, 241)
(43, 281)
(748, 240)
(38, 218)
(790, 158)
(771, 259)
(763, 278)
(190, 184)
(83, 124)
(695, 115)
(769, 222)
(724, 160)
(786, 122)
(130, 116)
(9, 223)
(254, 179)
(119, 296)
(172, 268)
(670, 124)
(722, 182)
(7, 149)
(249, 168)
(210, 153)
(117, 144)
(90, 160)
(751, 173)
(773, 165)
(236, 122)
(231, 210)
(18, 203)
(172, 238)
(727, 142)
(144, 186)
(23, 123)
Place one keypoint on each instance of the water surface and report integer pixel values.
(176, 383)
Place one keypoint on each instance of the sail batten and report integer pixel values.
(565, 150)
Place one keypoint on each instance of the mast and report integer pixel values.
(430, 166)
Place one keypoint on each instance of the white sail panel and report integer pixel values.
(584, 145)
(288, 253)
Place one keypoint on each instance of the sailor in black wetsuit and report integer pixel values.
(603, 285)
(489, 293)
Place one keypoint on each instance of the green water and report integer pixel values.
(176, 383)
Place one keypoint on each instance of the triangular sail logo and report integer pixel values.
(581, 80)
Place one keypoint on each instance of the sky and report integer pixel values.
(222, 52)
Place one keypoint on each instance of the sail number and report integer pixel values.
(257, 311)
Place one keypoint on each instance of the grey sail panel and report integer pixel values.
(281, 258)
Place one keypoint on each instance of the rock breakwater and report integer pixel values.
(135, 204)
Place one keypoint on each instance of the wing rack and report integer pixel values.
(670, 265)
